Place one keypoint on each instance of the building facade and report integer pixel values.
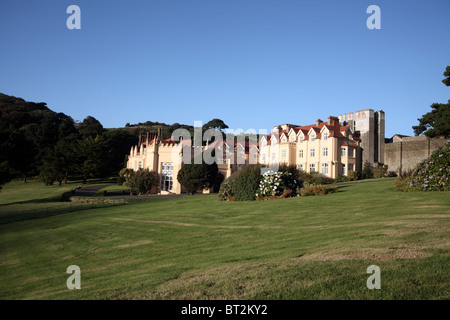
(325, 147)
(333, 148)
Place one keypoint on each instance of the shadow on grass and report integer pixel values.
(15, 213)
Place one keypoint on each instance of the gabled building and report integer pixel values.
(326, 147)
(333, 148)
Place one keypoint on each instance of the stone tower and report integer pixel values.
(370, 125)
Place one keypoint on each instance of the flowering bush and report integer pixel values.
(226, 191)
(429, 175)
(275, 184)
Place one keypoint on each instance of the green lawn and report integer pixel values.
(196, 247)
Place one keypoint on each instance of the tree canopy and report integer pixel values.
(436, 123)
(446, 81)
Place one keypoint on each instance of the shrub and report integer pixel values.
(246, 182)
(404, 184)
(277, 184)
(142, 181)
(292, 169)
(195, 177)
(124, 176)
(341, 178)
(367, 171)
(380, 171)
(317, 190)
(391, 174)
(353, 175)
(432, 174)
(226, 189)
(314, 178)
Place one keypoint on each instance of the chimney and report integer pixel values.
(318, 121)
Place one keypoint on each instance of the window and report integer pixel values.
(300, 167)
(313, 153)
(343, 152)
(350, 152)
(325, 136)
(140, 164)
(283, 154)
(300, 154)
(167, 176)
(301, 139)
(344, 172)
(313, 137)
(312, 168)
(263, 158)
(325, 152)
(350, 167)
(292, 139)
(324, 168)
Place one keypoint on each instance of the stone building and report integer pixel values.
(370, 126)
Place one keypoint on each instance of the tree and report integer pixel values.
(90, 127)
(91, 157)
(5, 174)
(215, 124)
(435, 123)
(446, 81)
(195, 177)
(119, 142)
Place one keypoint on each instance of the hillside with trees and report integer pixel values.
(37, 141)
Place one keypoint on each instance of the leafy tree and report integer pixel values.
(193, 176)
(91, 157)
(119, 142)
(5, 174)
(435, 123)
(446, 81)
(22, 155)
(215, 124)
(90, 127)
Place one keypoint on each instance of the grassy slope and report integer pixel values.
(196, 247)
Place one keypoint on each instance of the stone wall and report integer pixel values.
(404, 153)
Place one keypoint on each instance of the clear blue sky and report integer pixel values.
(251, 63)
